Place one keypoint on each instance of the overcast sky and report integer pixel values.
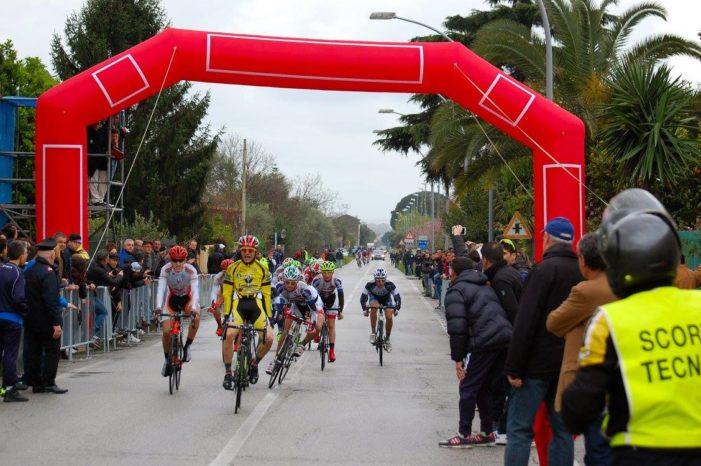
(314, 131)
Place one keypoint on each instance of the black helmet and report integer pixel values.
(636, 200)
(640, 249)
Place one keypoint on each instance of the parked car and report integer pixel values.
(378, 255)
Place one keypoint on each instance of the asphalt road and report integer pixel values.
(118, 410)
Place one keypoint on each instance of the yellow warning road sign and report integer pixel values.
(517, 229)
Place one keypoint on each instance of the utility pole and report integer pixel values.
(433, 219)
(243, 187)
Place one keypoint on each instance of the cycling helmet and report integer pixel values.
(177, 252)
(286, 261)
(380, 273)
(248, 241)
(641, 250)
(328, 266)
(315, 267)
(295, 263)
(292, 274)
(226, 263)
(308, 261)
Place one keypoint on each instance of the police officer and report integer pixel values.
(642, 354)
(44, 321)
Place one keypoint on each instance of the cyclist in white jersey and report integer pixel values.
(180, 279)
(328, 285)
(304, 301)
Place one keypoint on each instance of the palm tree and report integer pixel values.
(650, 123)
(590, 42)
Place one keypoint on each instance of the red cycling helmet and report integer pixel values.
(226, 263)
(248, 241)
(177, 252)
(316, 267)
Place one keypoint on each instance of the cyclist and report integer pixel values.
(180, 279)
(380, 292)
(214, 295)
(328, 285)
(246, 294)
(313, 271)
(303, 300)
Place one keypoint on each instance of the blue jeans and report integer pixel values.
(523, 406)
(596, 446)
(438, 284)
(100, 316)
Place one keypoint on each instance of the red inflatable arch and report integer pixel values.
(63, 112)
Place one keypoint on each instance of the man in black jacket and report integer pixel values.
(44, 321)
(507, 283)
(100, 274)
(477, 326)
(214, 259)
(535, 355)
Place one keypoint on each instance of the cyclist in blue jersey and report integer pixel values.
(380, 292)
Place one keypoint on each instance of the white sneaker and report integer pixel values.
(132, 339)
(299, 350)
(269, 370)
(372, 338)
(501, 439)
(140, 333)
(388, 346)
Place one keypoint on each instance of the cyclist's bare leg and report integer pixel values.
(194, 322)
(264, 343)
(389, 314)
(332, 330)
(165, 335)
(285, 331)
(373, 315)
(228, 345)
(317, 328)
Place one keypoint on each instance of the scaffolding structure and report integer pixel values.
(22, 212)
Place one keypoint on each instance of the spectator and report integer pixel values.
(115, 293)
(63, 256)
(569, 320)
(126, 255)
(13, 310)
(75, 247)
(535, 355)
(437, 272)
(686, 278)
(640, 357)
(3, 249)
(427, 275)
(278, 255)
(515, 258)
(10, 231)
(192, 260)
(339, 258)
(97, 162)
(44, 321)
(148, 256)
(214, 259)
(192, 248)
(100, 274)
(477, 326)
(138, 245)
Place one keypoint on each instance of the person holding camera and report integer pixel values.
(100, 274)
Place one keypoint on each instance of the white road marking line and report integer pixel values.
(227, 455)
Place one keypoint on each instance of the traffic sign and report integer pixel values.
(423, 242)
(517, 229)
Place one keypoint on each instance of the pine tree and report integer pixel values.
(169, 176)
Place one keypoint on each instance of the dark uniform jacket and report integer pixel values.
(476, 320)
(42, 297)
(534, 352)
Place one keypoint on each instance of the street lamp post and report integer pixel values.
(548, 51)
(392, 15)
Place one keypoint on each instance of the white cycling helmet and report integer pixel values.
(292, 274)
(380, 273)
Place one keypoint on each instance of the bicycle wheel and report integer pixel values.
(178, 369)
(379, 340)
(288, 356)
(324, 344)
(172, 362)
(279, 361)
(242, 361)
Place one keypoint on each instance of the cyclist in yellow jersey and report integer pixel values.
(246, 295)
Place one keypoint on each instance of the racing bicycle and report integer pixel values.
(285, 355)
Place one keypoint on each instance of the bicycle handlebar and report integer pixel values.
(177, 315)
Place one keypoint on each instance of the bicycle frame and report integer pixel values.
(380, 331)
(245, 353)
(175, 353)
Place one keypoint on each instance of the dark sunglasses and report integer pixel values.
(177, 260)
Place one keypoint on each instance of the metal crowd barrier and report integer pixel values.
(137, 306)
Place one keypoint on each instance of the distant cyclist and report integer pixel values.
(216, 291)
(380, 292)
(246, 294)
(328, 285)
(180, 279)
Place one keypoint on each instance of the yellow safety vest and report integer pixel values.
(657, 335)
